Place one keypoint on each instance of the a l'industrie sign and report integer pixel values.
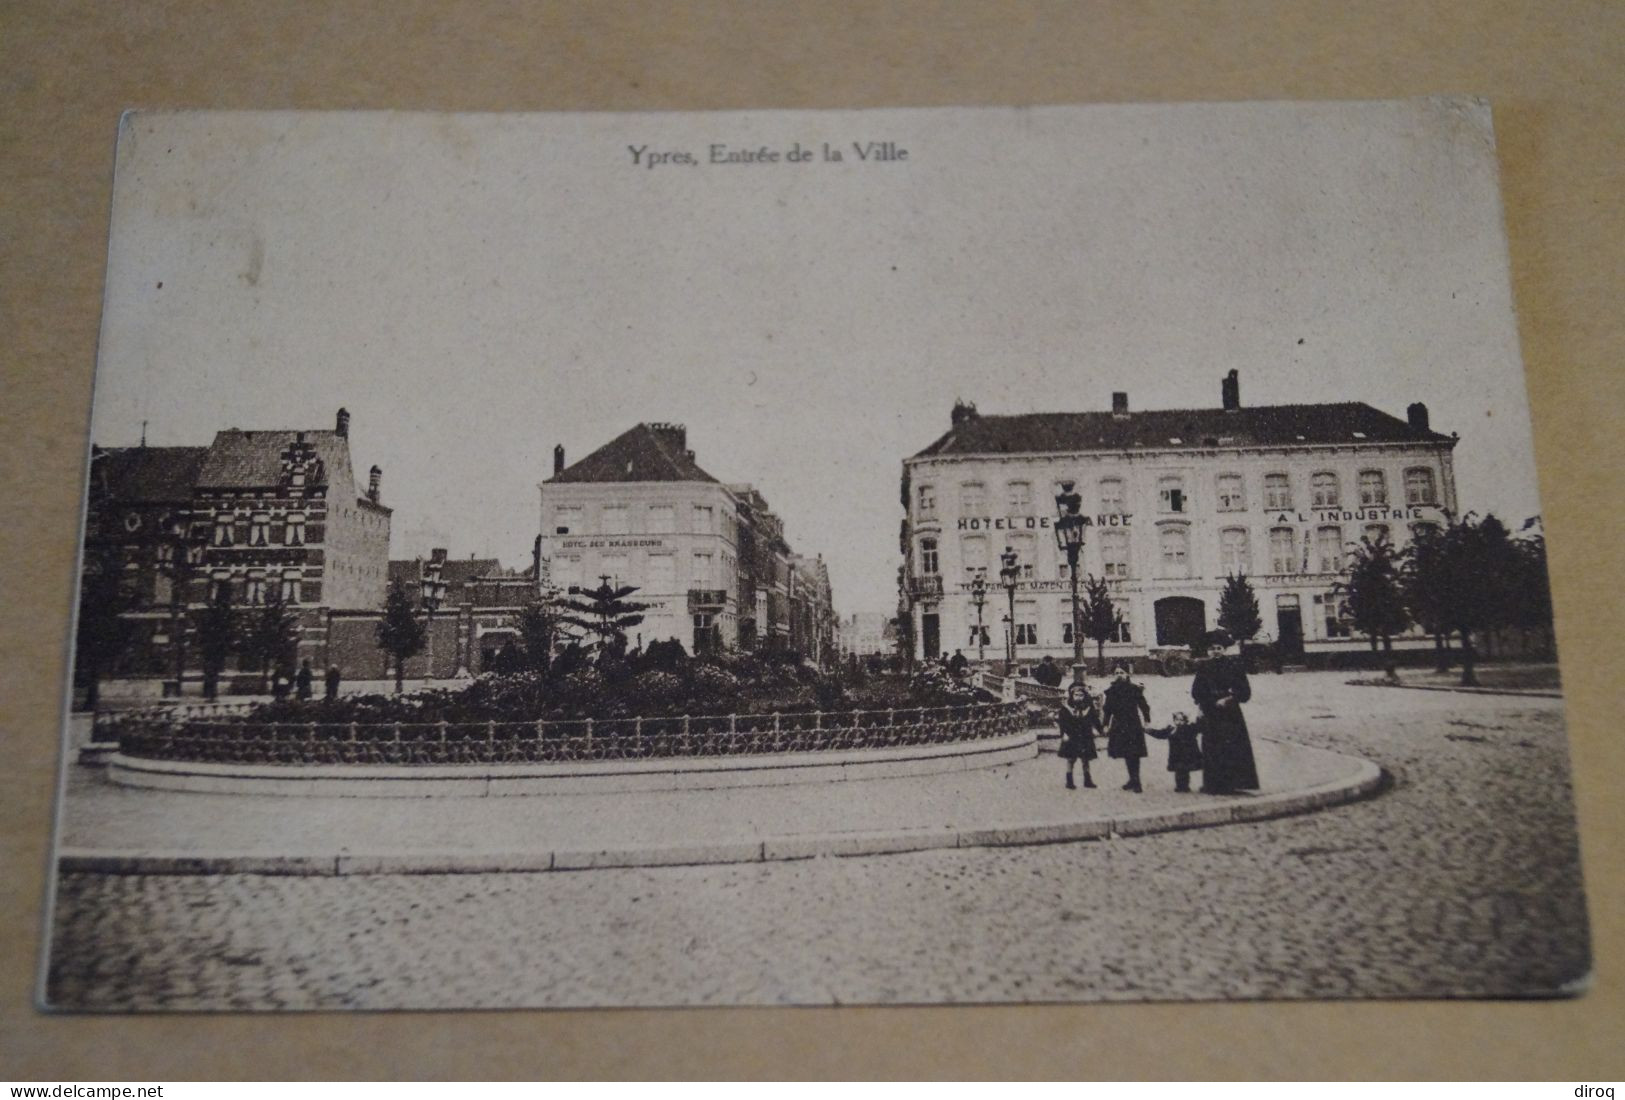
(1037, 523)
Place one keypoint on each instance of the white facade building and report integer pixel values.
(1176, 501)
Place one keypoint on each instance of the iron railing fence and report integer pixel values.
(546, 741)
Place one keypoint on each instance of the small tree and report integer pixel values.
(1530, 609)
(104, 633)
(1098, 616)
(268, 635)
(1461, 579)
(1238, 609)
(604, 612)
(1376, 603)
(538, 630)
(400, 635)
(217, 628)
(1422, 581)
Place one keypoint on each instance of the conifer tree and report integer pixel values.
(400, 635)
(604, 612)
(1238, 609)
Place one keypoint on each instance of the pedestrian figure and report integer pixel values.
(1220, 687)
(1184, 753)
(332, 682)
(1048, 672)
(957, 663)
(1126, 714)
(303, 679)
(1079, 719)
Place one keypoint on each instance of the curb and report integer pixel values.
(1519, 692)
(1367, 781)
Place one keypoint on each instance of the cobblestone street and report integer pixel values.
(1463, 879)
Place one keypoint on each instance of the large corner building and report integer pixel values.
(1176, 500)
(709, 558)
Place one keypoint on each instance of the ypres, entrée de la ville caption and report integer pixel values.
(867, 152)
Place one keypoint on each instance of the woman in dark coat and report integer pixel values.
(1127, 712)
(1219, 689)
(1079, 721)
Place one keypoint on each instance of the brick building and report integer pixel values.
(1176, 500)
(255, 514)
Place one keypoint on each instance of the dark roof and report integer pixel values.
(641, 453)
(147, 474)
(1349, 422)
(253, 460)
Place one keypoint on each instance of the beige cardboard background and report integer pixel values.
(1556, 75)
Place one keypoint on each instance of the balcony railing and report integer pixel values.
(928, 587)
(708, 599)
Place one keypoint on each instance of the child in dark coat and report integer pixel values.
(1079, 719)
(1184, 753)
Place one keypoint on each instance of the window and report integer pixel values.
(290, 588)
(1027, 623)
(1419, 486)
(705, 519)
(928, 557)
(973, 552)
(1175, 546)
(613, 518)
(1277, 492)
(567, 521)
(972, 499)
(1026, 555)
(662, 573)
(1171, 494)
(702, 570)
(1283, 550)
(1114, 554)
(1377, 532)
(1373, 488)
(1329, 549)
(1232, 493)
(1235, 552)
(662, 519)
(614, 566)
(1424, 530)
(1121, 632)
(254, 591)
(986, 637)
(259, 528)
(294, 533)
(566, 572)
(1111, 495)
(1323, 490)
(926, 502)
(220, 588)
(1063, 615)
(1019, 497)
(222, 530)
(1334, 612)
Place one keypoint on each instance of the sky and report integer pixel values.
(478, 288)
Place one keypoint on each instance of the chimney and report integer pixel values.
(342, 426)
(558, 459)
(373, 478)
(1231, 390)
(963, 411)
(1417, 414)
(674, 436)
(1119, 403)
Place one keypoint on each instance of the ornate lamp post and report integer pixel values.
(1069, 532)
(978, 596)
(433, 590)
(1009, 577)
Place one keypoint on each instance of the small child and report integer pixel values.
(1184, 754)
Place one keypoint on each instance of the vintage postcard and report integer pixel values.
(898, 556)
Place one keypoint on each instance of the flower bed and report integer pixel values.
(231, 741)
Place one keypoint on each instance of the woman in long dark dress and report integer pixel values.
(1219, 689)
(1126, 713)
(1079, 722)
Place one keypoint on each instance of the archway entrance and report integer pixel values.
(1181, 620)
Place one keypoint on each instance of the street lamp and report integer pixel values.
(180, 557)
(1009, 577)
(978, 596)
(433, 590)
(1069, 531)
